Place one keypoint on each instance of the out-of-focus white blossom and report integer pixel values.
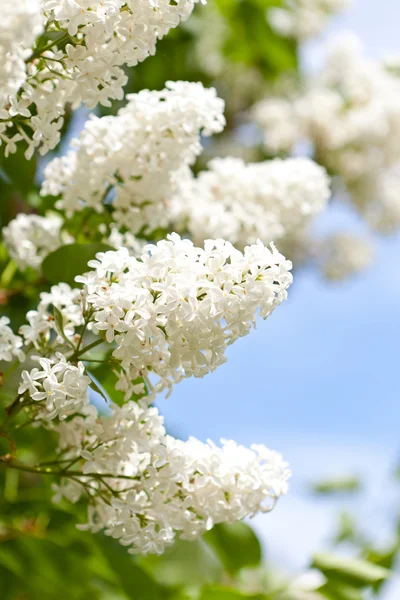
(304, 19)
(90, 41)
(126, 240)
(10, 344)
(166, 487)
(282, 126)
(350, 113)
(244, 202)
(135, 159)
(20, 23)
(343, 255)
(173, 312)
(377, 198)
(30, 238)
(60, 386)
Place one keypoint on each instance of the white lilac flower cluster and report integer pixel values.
(135, 159)
(30, 238)
(10, 344)
(79, 58)
(243, 202)
(148, 487)
(61, 386)
(173, 312)
(304, 19)
(351, 114)
(20, 23)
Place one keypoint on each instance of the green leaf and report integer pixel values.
(223, 593)
(135, 581)
(337, 486)
(59, 321)
(65, 263)
(185, 563)
(339, 591)
(236, 545)
(17, 172)
(356, 572)
(94, 385)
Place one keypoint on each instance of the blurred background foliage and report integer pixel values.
(227, 44)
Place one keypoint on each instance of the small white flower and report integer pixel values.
(61, 386)
(10, 344)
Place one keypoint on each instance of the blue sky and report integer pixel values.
(319, 381)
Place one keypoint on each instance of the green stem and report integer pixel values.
(12, 410)
(8, 273)
(13, 464)
(38, 53)
(79, 353)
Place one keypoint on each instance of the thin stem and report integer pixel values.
(12, 464)
(12, 410)
(95, 361)
(38, 53)
(79, 353)
(87, 321)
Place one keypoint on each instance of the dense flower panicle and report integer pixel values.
(244, 202)
(304, 19)
(96, 38)
(168, 487)
(351, 114)
(344, 255)
(20, 23)
(61, 387)
(30, 238)
(119, 158)
(10, 344)
(174, 311)
(41, 322)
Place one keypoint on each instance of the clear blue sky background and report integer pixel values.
(320, 380)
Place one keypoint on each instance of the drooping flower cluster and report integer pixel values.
(351, 114)
(20, 23)
(148, 487)
(134, 160)
(173, 312)
(304, 19)
(244, 202)
(79, 58)
(61, 386)
(30, 238)
(10, 344)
